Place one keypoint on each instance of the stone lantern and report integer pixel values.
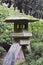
(21, 35)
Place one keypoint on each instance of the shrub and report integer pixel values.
(39, 61)
(37, 49)
(2, 52)
(5, 29)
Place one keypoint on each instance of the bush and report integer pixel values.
(2, 52)
(5, 28)
(37, 47)
(39, 61)
(36, 54)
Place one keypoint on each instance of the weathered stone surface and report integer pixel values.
(22, 19)
(21, 35)
(24, 42)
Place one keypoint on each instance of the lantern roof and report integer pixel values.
(20, 19)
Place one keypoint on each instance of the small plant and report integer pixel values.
(2, 52)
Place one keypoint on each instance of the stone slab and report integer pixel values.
(24, 42)
(20, 35)
(20, 19)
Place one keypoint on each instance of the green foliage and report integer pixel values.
(39, 61)
(37, 31)
(2, 49)
(2, 52)
(35, 27)
(37, 48)
(36, 55)
(5, 29)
